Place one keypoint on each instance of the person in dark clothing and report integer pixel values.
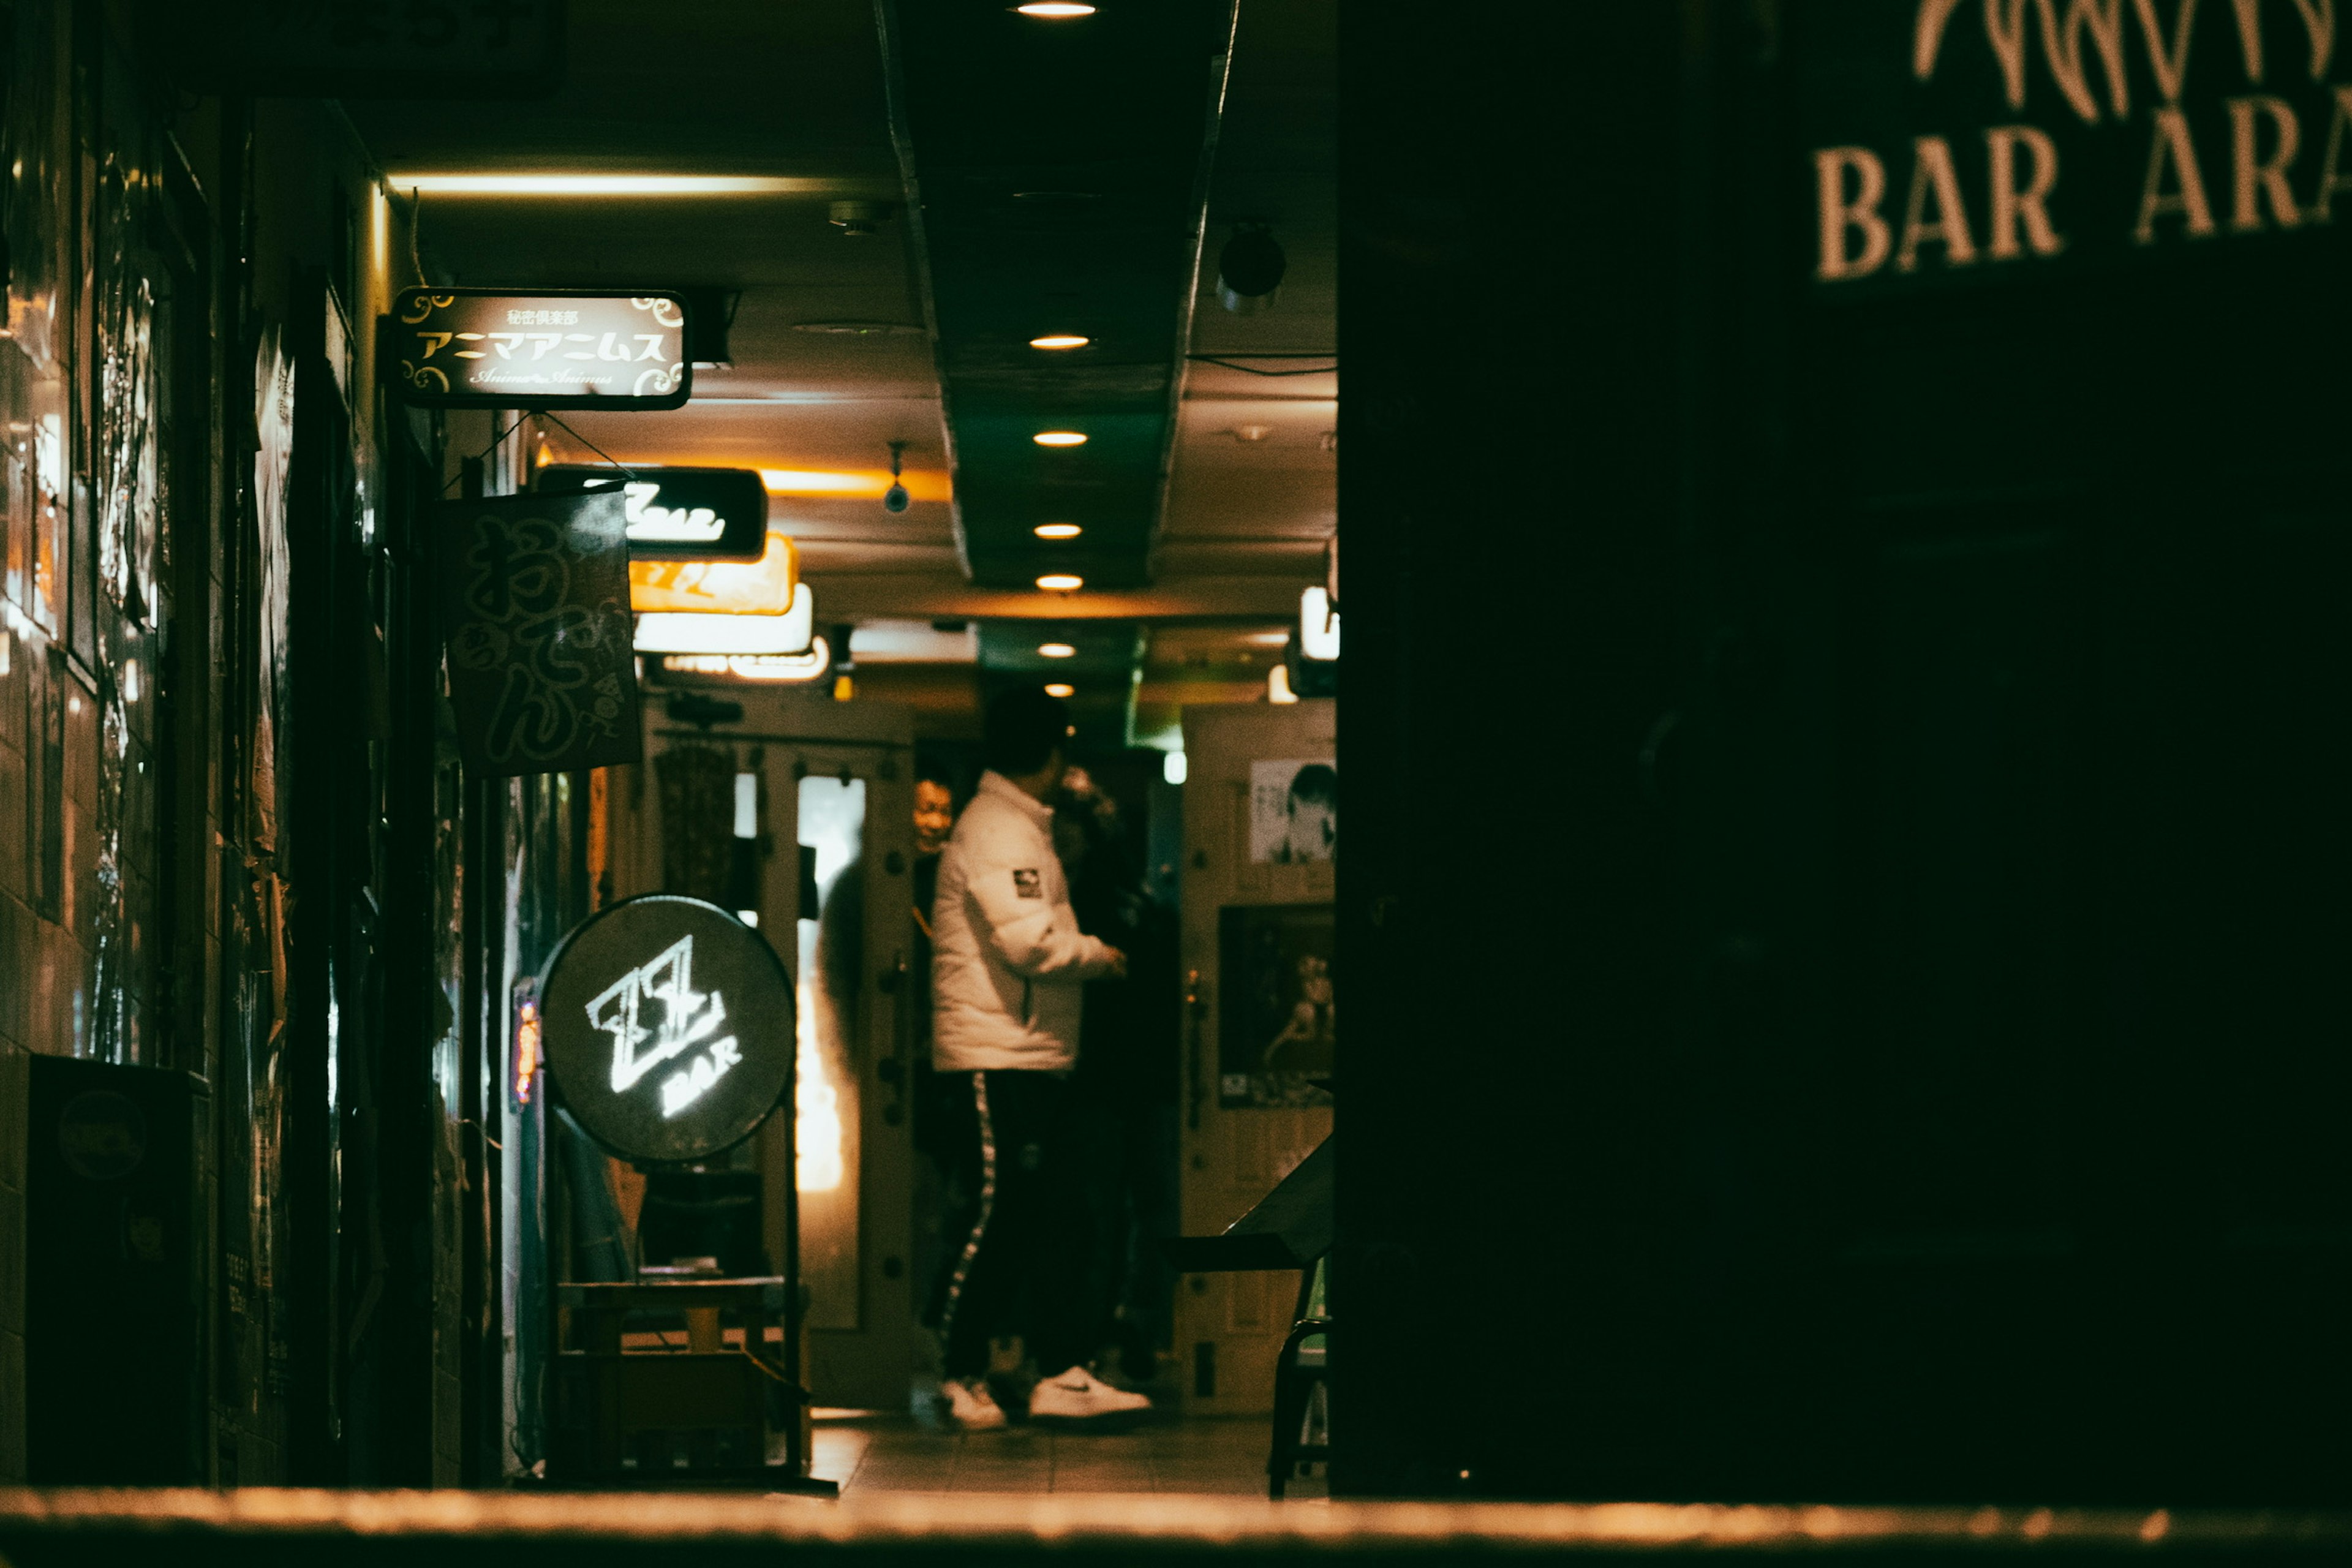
(1125, 1092)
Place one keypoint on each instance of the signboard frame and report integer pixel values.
(413, 309)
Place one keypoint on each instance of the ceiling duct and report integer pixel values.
(1056, 173)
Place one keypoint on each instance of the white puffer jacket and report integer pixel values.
(1009, 964)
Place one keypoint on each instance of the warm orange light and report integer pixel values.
(1057, 530)
(761, 587)
(1060, 340)
(1061, 689)
(922, 484)
(1061, 583)
(1056, 651)
(1054, 8)
(525, 1066)
(1059, 439)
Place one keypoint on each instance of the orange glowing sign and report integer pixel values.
(761, 587)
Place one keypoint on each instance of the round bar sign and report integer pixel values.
(668, 1027)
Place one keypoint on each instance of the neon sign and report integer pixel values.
(678, 1019)
(668, 1028)
(676, 514)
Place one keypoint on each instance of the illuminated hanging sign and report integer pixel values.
(676, 514)
(763, 587)
(480, 348)
(667, 1027)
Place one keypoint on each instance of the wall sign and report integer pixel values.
(1957, 140)
(676, 514)
(369, 49)
(479, 348)
(535, 611)
(668, 1027)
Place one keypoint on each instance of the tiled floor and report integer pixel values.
(894, 1454)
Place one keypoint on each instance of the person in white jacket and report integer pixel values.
(1008, 968)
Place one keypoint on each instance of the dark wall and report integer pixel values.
(1863, 1024)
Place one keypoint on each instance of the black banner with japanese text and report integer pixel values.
(535, 611)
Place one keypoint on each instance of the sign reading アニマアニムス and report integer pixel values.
(479, 348)
(1974, 139)
(535, 613)
(669, 1026)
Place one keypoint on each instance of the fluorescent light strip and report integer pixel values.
(603, 185)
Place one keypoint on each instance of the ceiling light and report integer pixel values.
(1269, 639)
(1056, 651)
(1061, 689)
(1062, 8)
(1058, 438)
(1172, 769)
(602, 185)
(1061, 583)
(1057, 530)
(1060, 340)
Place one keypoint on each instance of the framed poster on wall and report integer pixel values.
(1278, 1027)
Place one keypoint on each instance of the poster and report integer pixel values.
(535, 607)
(1293, 811)
(1277, 1027)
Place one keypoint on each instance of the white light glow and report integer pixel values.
(1318, 624)
(1056, 651)
(749, 916)
(1061, 689)
(687, 1019)
(1061, 583)
(755, 666)
(1172, 767)
(451, 184)
(747, 806)
(1277, 685)
(1056, 8)
(1060, 340)
(1057, 530)
(687, 631)
(1059, 439)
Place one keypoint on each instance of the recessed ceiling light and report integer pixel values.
(1056, 651)
(1060, 340)
(1059, 439)
(1057, 530)
(1054, 8)
(1061, 689)
(600, 184)
(1061, 583)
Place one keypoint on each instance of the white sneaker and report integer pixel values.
(1079, 1396)
(971, 1405)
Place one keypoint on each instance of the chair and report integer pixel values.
(1302, 1368)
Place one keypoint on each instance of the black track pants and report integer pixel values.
(1020, 1208)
